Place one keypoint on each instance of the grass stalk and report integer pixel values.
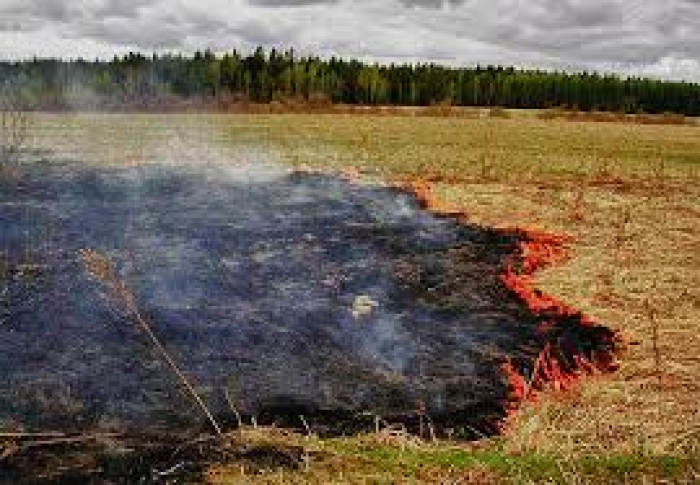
(100, 267)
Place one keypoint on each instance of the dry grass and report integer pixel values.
(612, 117)
(634, 266)
(630, 196)
(15, 126)
(644, 281)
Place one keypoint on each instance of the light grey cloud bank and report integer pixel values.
(628, 36)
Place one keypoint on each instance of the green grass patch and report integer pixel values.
(412, 461)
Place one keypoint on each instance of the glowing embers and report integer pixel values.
(295, 294)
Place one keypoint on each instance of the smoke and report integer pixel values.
(283, 289)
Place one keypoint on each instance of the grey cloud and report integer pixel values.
(59, 11)
(144, 24)
(562, 14)
(432, 3)
(31, 14)
(129, 9)
(629, 35)
(260, 33)
(290, 3)
(578, 32)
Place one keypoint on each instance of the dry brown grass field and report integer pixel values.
(628, 194)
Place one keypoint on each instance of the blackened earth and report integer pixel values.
(297, 294)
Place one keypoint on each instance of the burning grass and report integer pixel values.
(567, 354)
(628, 198)
(317, 302)
(406, 310)
(632, 221)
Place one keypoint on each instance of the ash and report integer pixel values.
(295, 294)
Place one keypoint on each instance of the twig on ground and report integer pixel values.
(66, 440)
(43, 440)
(20, 435)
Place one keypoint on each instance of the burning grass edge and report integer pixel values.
(574, 344)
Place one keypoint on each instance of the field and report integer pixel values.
(629, 195)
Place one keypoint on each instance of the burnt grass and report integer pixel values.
(301, 295)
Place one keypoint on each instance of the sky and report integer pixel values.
(658, 38)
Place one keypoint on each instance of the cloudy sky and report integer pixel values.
(648, 37)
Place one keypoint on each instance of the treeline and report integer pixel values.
(233, 78)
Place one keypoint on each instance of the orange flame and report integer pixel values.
(539, 250)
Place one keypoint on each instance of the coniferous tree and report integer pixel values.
(137, 80)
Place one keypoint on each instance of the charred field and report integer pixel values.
(320, 318)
